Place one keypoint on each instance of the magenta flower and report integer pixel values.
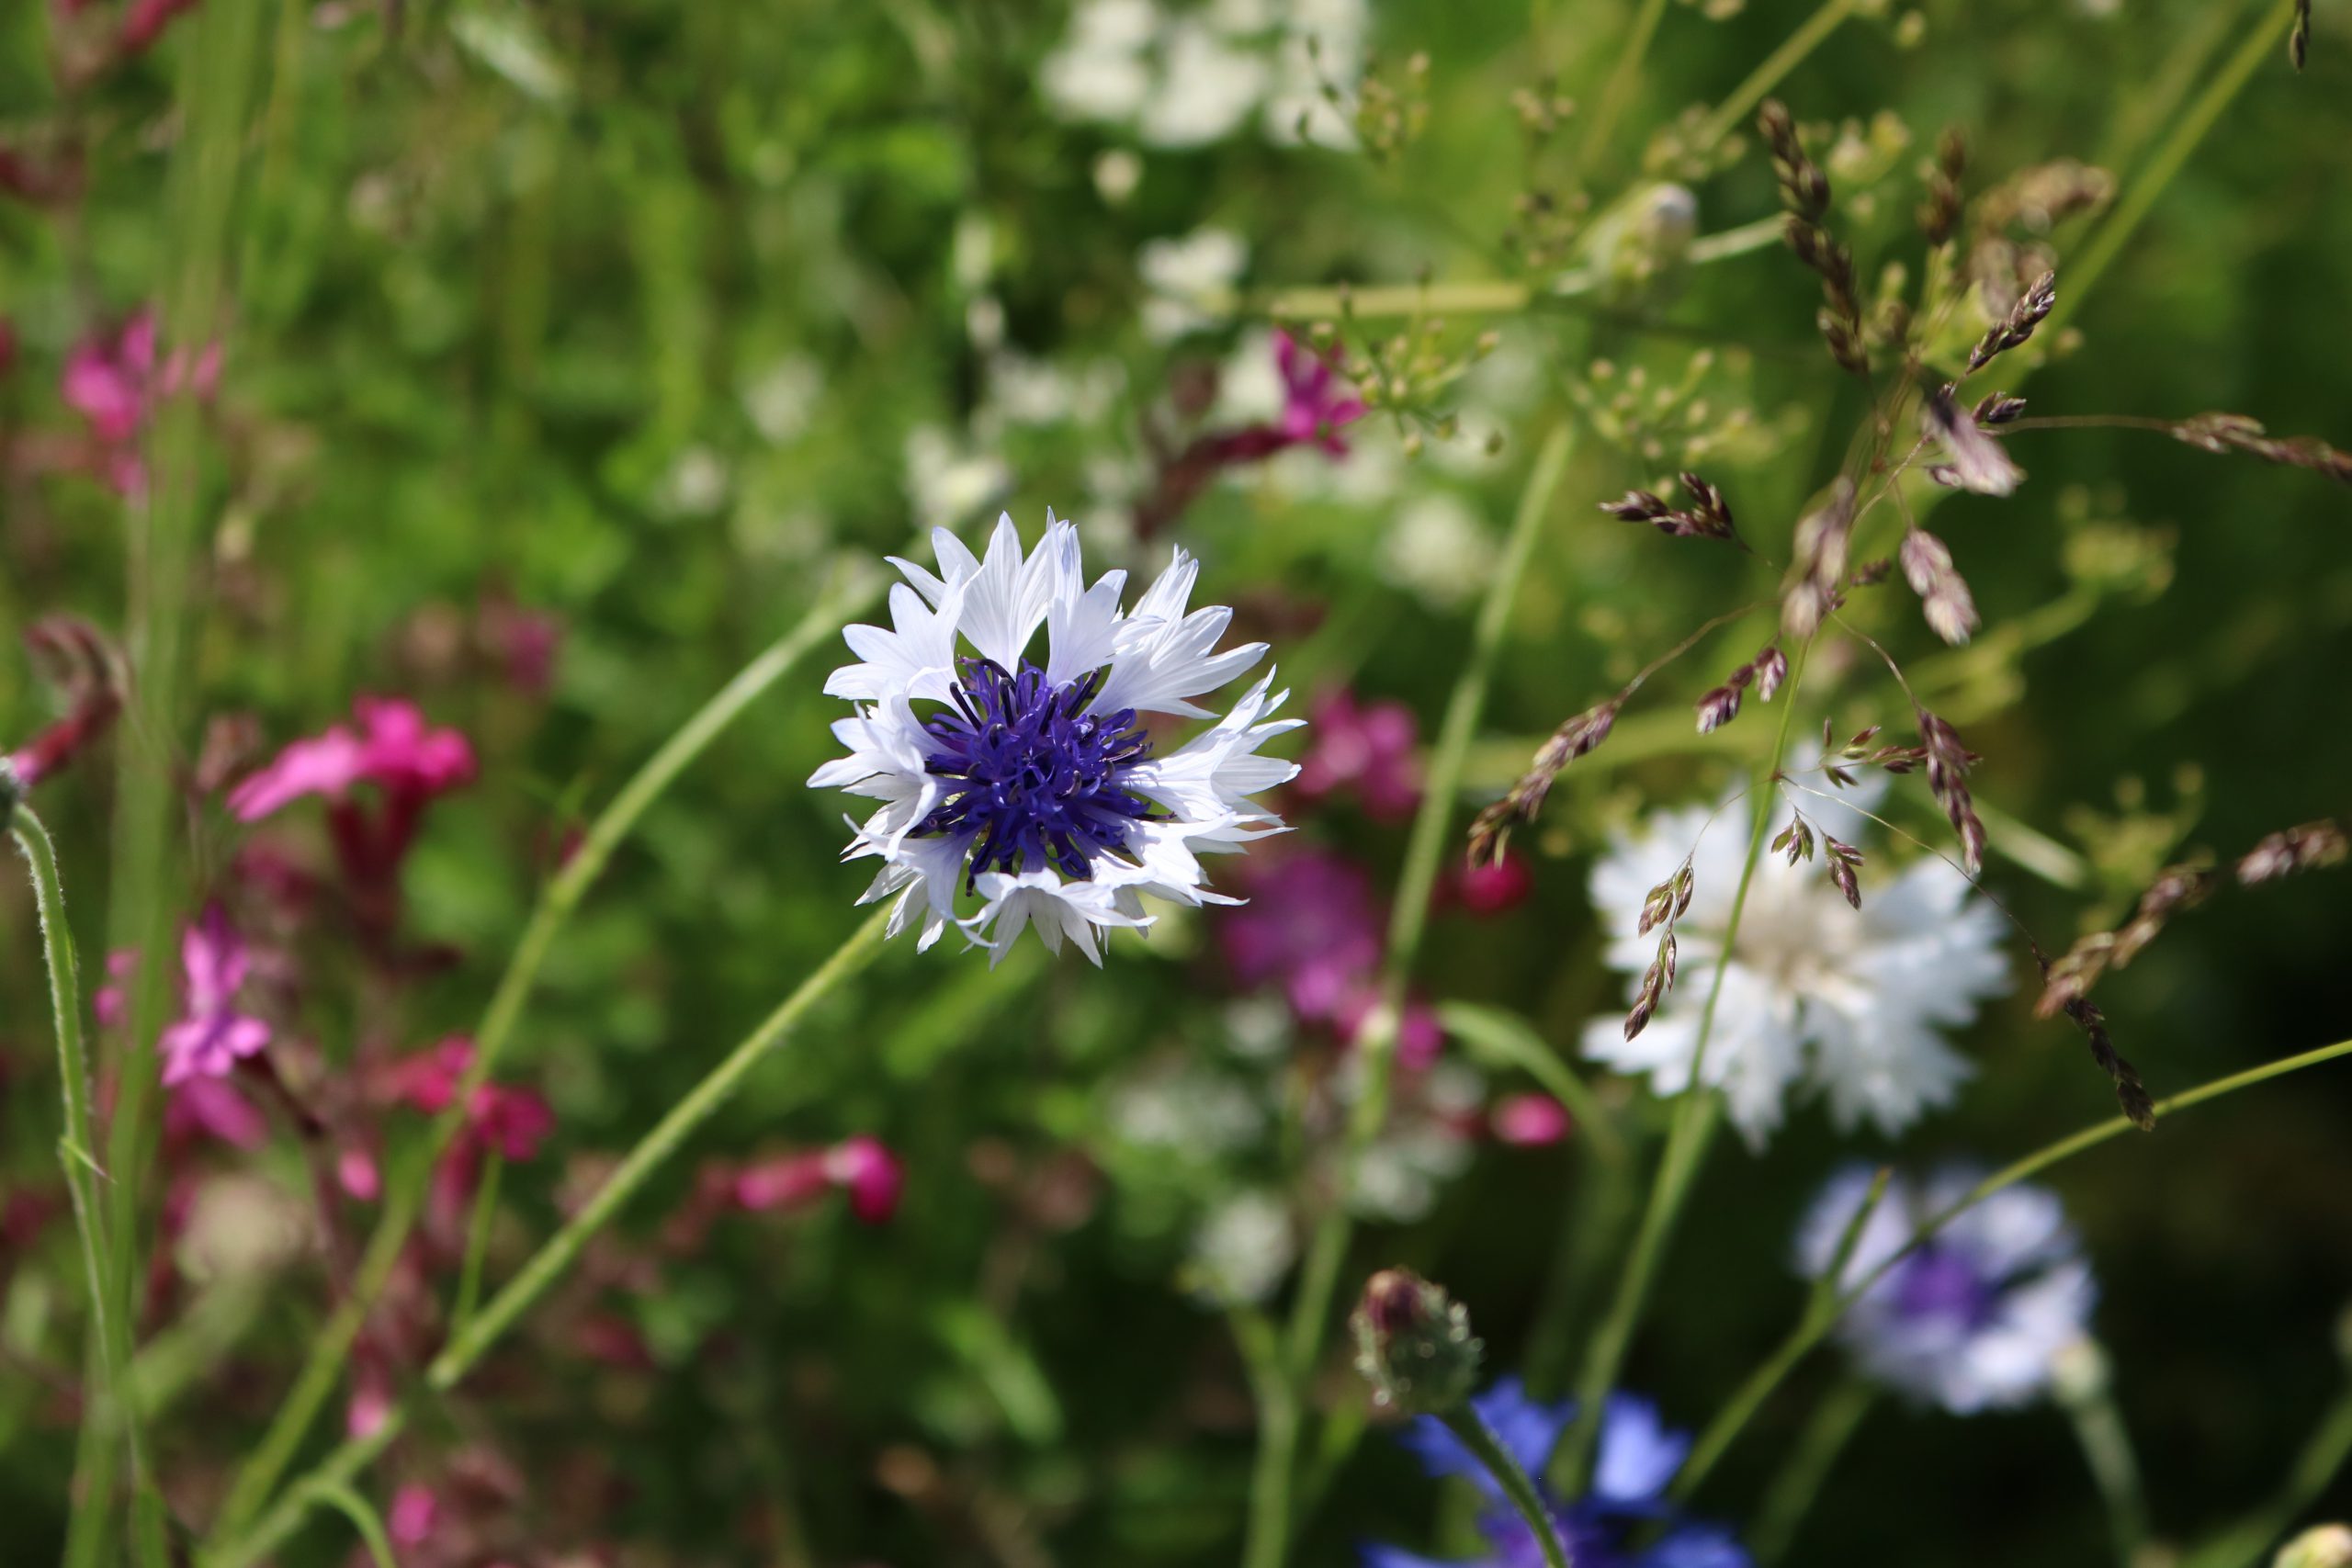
(395, 750)
(1530, 1120)
(860, 1165)
(1315, 400)
(1488, 889)
(116, 386)
(413, 1516)
(870, 1174)
(211, 1036)
(513, 1122)
(1372, 750)
(1312, 926)
(214, 1107)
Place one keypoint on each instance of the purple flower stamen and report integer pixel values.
(1039, 778)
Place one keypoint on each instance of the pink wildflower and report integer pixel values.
(1530, 1120)
(1493, 889)
(1315, 401)
(413, 1516)
(858, 1166)
(215, 1107)
(396, 751)
(211, 1036)
(1312, 926)
(1372, 749)
(870, 1174)
(116, 386)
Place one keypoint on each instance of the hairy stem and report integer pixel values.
(556, 1256)
(1695, 1121)
(1743, 1404)
(1269, 1531)
(1518, 1490)
(404, 1188)
(112, 1417)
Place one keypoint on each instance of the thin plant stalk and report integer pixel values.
(1695, 1121)
(1790, 1497)
(2105, 1443)
(322, 1369)
(163, 532)
(556, 1255)
(1271, 1508)
(2107, 243)
(1815, 1323)
(1735, 108)
(112, 1417)
(1466, 1424)
(1619, 87)
(1495, 296)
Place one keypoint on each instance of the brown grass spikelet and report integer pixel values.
(1708, 516)
(1490, 830)
(2131, 1094)
(2236, 433)
(1948, 763)
(1943, 593)
(1973, 460)
(2017, 326)
(1819, 567)
(2309, 847)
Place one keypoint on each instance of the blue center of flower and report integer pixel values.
(1036, 775)
(1941, 1282)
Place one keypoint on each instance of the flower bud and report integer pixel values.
(1414, 1344)
(2327, 1546)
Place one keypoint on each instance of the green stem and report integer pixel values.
(164, 534)
(112, 1414)
(1791, 1496)
(323, 1370)
(1501, 297)
(1273, 1469)
(556, 1256)
(2105, 1443)
(1766, 76)
(485, 1214)
(340, 1496)
(1518, 1490)
(1695, 1121)
(2261, 43)
(1619, 87)
(1815, 1322)
(2323, 1456)
(1268, 1538)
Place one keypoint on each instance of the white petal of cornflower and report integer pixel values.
(1020, 779)
(1818, 998)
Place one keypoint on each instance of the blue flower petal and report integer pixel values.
(1639, 1454)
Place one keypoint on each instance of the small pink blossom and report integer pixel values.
(1312, 926)
(1420, 1037)
(116, 386)
(513, 1122)
(870, 1174)
(1371, 750)
(858, 1166)
(1315, 400)
(395, 749)
(1530, 1120)
(356, 1172)
(215, 1107)
(211, 1036)
(110, 1004)
(1488, 889)
(413, 1516)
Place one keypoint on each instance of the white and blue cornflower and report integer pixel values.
(1624, 1520)
(1978, 1315)
(1026, 783)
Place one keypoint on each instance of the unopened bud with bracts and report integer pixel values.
(1414, 1345)
(2324, 1545)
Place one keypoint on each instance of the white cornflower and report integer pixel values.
(1817, 995)
(1976, 1317)
(1027, 783)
